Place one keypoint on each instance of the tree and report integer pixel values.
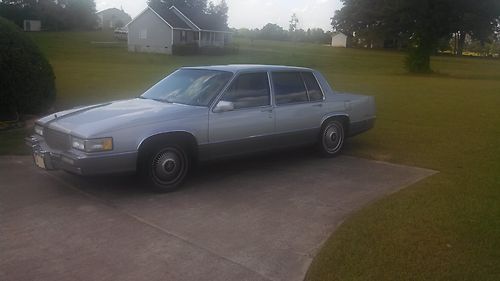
(294, 21)
(219, 12)
(188, 6)
(80, 14)
(27, 84)
(420, 23)
(273, 31)
(196, 8)
(54, 14)
(477, 19)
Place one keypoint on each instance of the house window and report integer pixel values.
(143, 34)
(183, 36)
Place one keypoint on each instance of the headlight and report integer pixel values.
(92, 145)
(39, 130)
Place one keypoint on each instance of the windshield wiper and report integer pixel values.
(158, 100)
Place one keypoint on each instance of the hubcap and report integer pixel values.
(167, 166)
(333, 138)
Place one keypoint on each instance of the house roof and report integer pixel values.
(177, 19)
(339, 34)
(172, 18)
(200, 21)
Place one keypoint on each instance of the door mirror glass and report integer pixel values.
(224, 106)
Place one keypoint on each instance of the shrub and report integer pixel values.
(185, 49)
(193, 49)
(27, 83)
(219, 51)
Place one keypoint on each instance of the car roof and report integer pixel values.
(249, 67)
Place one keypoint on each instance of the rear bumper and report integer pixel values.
(81, 164)
(357, 128)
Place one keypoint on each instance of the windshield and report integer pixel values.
(189, 86)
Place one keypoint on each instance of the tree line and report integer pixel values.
(54, 14)
(420, 26)
(272, 31)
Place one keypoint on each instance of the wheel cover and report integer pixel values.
(333, 138)
(168, 166)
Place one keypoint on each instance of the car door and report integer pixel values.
(242, 120)
(299, 106)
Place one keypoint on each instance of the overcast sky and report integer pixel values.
(256, 13)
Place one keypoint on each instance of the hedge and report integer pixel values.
(27, 84)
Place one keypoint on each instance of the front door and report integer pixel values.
(243, 119)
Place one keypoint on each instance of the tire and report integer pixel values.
(164, 168)
(332, 138)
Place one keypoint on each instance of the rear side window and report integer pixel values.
(249, 90)
(289, 88)
(313, 88)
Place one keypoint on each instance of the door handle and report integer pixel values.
(266, 110)
(318, 105)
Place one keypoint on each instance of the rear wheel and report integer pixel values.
(332, 138)
(165, 167)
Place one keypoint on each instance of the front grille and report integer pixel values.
(56, 140)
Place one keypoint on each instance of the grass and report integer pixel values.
(446, 227)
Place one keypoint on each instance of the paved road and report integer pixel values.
(254, 219)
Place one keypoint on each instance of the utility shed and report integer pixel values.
(339, 40)
(32, 25)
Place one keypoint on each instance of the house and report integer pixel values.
(32, 25)
(112, 18)
(339, 40)
(156, 31)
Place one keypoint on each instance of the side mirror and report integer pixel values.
(224, 106)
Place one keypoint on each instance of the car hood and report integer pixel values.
(96, 120)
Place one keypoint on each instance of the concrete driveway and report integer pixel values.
(253, 219)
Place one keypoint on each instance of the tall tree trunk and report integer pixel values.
(418, 59)
(461, 43)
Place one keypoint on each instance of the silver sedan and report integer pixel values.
(199, 114)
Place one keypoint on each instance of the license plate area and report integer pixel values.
(39, 161)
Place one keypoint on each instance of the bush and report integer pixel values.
(27, 83)
(193, 49)
(219, 51)
(185, 49)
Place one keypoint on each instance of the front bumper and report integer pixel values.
(81, 164)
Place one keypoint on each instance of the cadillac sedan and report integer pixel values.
(198, 114)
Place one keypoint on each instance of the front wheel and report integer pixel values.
(165, 169)
(332, 138)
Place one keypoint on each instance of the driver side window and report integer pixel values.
(249, 90)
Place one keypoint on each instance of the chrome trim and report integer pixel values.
(166, 133)
(219, 95)
(319, 84)
(334, 115)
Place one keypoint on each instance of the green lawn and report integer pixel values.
(446, 227)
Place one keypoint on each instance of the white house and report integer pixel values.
(339, 40)
(155, 31)
(32, 25)
(112, 18)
